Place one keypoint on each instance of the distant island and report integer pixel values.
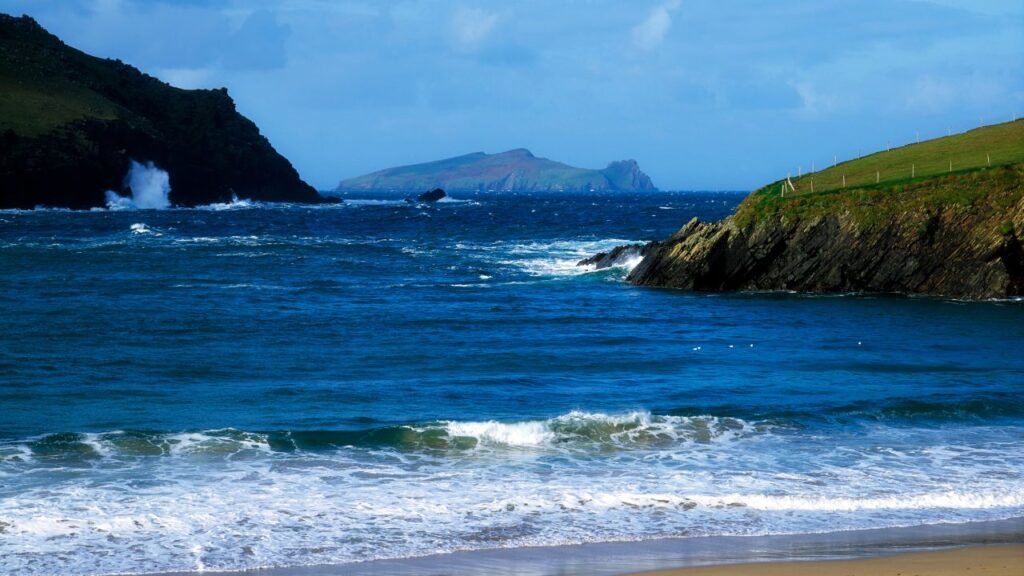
(76, 129)
(513, 171)
(943, 217)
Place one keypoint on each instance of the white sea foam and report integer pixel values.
(375, 202)
(516, 434)
(450, 200)
(559, 258)
(579, 429)
(140, 228)
(117, 202)
(150, 189)
(950, 499)
(224, 499)
(234, 204)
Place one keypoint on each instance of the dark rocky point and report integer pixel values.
(923, 239)
(618, 255)
(70, 124)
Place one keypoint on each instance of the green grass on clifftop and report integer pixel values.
(996, 145)
(914, 176)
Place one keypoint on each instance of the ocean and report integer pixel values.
(253, 385)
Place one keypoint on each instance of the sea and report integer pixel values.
(248, 385)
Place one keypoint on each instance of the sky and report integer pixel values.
(704, 94)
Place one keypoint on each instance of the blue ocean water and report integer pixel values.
(269, 385)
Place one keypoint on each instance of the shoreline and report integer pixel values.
(992, 560)
(677, 556)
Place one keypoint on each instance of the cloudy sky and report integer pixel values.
(705, 94)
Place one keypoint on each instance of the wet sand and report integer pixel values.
(976, 547)
(1006, 560)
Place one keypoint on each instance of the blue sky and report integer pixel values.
(705, 94)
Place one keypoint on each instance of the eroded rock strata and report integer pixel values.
(956, 236)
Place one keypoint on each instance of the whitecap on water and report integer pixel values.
(556, 258)
(208, 497)
(234, 204)
(140, 228)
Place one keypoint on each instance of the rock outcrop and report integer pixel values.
(432, 196)
(71, 123)
(956, 236)
(618, 256)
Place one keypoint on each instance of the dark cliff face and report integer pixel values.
(71, 123)
(933, 239)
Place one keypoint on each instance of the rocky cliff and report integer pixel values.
(70, 125)
(512, 171)
(954, 236)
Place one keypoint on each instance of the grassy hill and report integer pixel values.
(936, 231)
(959, 169)
(989, 146)
(71, 123)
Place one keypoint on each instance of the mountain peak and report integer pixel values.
(517, 153)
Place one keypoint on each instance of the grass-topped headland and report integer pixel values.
(71, 124)
(981, 165)
(942, 217)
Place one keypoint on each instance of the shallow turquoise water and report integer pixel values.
(284, 385)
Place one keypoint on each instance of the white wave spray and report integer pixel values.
(150, 186)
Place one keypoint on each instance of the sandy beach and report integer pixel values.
(1004, 560)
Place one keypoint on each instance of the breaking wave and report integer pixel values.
(576, 430)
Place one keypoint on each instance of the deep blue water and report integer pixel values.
(283, 385)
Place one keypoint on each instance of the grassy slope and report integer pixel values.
(1001, 143)
(43, 88)
(34, 108)
(69, 123)
(970, 182)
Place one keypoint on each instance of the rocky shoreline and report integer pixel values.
(931, 238)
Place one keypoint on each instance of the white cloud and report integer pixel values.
(649, 34)
(471, 26)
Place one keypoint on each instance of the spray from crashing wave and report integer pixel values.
(150, 187)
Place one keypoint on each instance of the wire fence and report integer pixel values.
(995, 145)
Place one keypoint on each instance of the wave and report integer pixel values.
(375, 202)
(952, 499)
(979, 408)
(557, 258)
(234, 204)
(575, 430)
(586, 428)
